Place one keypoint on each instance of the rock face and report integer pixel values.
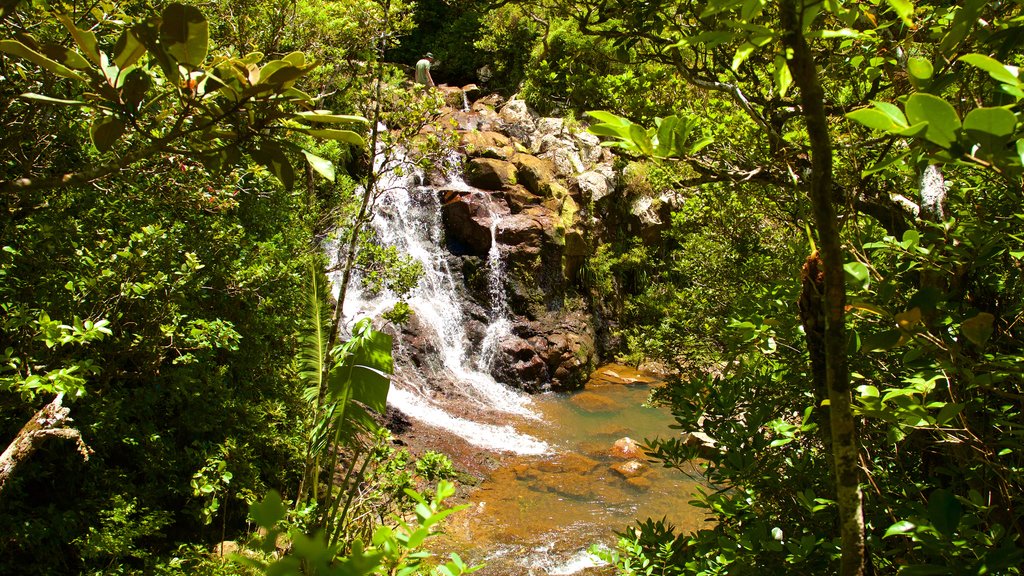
(531, 188)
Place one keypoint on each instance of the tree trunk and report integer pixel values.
(49, 422)
(845, 450)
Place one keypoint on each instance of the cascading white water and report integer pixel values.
(408, 217)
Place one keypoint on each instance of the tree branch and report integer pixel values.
(51, 421)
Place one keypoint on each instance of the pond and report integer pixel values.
(537, 515)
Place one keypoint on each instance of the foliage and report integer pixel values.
(934, 291)
(392, 550)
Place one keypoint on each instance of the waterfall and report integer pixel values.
(408, 216)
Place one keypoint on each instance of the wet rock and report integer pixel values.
(467, 222)
(534, 173)
(593, 402)
(490, 173)
(629, 468)
(620, 374)
(640, 483)
(518, 198)
(627, 449)
(569, 463)
(527, 230)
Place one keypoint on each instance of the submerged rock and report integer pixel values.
(629, 469)
(626, 448)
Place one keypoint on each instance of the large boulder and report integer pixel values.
(490, 173)
(486, 144)
(594, 186)
(518, 120)
(467, 222)
(534, 173)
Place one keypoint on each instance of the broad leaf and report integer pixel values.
(998, 71)
(15, 48)
(128, 50)
(85, 39)
(105, 132)
(920, 68)
(944, 510)
(346, 136)
(904, 9)
(979, 328)
(325, 117)
(990, 127)
(273, 157)
(943, 121)
(901, 527)
(873, 118)
(185, 34)
(323, 166)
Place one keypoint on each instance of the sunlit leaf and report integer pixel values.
(322, 166)
(997, 70)
(901, 527)
(943, 121)
(15, 48)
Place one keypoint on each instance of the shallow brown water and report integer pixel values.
(537, 515)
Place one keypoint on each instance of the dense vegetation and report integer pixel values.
(838, 295)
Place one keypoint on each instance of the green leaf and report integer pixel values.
(944, 510)
(640, 138)
(375, 351)
(185, 34)
(990, 127)
(742, 53)
(979, 328)
(783, 76)
(904, 9)
(273, 157)
(858, 272)
(884, 340)
(105, 132)
(608, 118)
(15, 48)
(914, 131)
(85, 39)
(920, 68)
(136, 85)
(666, 136)
(325, 117)
(65, 56)
(886, 163)
(901, 527)
(995, 69)
(323, 166)
(873, 118)
(943, 121)
(127, 50)
(963, 21)
(43, 98)
(346, 136)
(269, 512)
(371, 388)
(279, 73)
(892, 111)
